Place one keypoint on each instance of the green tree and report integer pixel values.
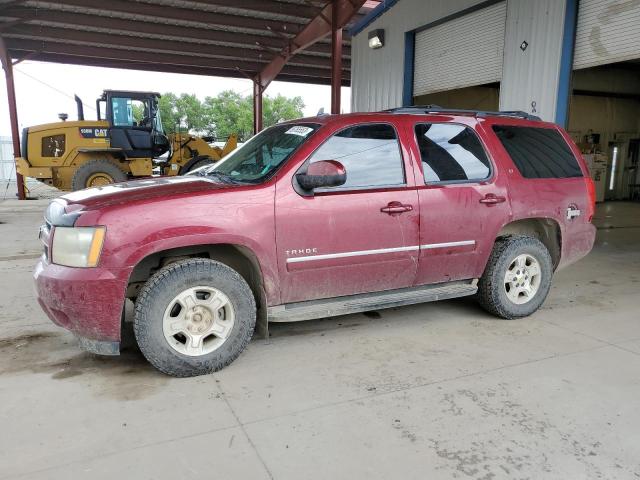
(228, 112)
(181, 113)
(137, 109)
(169, 112)
(280, 108)
(191, 112)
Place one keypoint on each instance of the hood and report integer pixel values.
(139, 190)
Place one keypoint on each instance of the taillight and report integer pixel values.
(591, 191)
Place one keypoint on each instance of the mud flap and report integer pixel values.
(262, 325)
(99, 347)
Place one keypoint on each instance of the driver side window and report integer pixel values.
(370, 154)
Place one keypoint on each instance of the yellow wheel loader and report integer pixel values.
(128, 142)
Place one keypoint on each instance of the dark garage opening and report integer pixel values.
(605, 123)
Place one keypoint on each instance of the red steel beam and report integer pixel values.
(287, 75)
(7, 65)
(265, 6)
(336, 61)
(200, 34)
(171, 14)
(316, 29)
(52, 34)
(104, 53)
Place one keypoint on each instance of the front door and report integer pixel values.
(131, 126)
(463, 202)
(355, 238)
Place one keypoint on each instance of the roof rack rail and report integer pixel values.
(422, 109)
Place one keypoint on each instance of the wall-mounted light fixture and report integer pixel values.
(376, 38)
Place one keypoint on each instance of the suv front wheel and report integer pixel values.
(517, 278)
(194, 317)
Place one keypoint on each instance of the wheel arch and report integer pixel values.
(82, 155)
(192, 161)
(238, 257)
(545, 229)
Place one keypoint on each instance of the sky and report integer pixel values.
(43, 90)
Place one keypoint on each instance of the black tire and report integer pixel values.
(161, 288)
(492, 294)
(95, 167)
(196, 162)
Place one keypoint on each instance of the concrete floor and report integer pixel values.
(434, 391)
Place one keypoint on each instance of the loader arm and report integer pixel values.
(231, 145)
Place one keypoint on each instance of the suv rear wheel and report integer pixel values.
(194, 317)
(517, 278)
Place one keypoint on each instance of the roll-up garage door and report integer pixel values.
(608, 31)
(462, 52)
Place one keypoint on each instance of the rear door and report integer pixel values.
(463, 201)
(355, 238)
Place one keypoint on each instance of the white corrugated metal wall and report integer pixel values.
(530, 76)
(7, 165)
(377, 75)
(460, 53)
(608, 31)
(527, 76)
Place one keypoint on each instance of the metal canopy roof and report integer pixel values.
(227, 38)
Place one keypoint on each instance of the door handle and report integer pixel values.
(396, 207)
(491, 199)
(572, 212)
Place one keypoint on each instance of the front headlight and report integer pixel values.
(77, 246)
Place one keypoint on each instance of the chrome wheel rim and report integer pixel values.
(198, 321)
(522, 279)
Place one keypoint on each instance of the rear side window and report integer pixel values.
(451, 153)
(538, 152)
(370, 154)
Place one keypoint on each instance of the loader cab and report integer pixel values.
(134, 123)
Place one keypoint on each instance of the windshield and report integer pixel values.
(260, 157)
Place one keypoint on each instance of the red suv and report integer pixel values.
(319, 217)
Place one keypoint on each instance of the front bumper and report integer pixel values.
(86, 301)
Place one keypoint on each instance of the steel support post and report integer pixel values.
(257, 105)
(336, 59)
(7, 65)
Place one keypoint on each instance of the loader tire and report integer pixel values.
(97, 173)
(196, 162)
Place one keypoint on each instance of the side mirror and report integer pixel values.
(325, 173)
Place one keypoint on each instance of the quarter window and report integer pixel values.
(370, 154)
(538, 152)
(450, 153)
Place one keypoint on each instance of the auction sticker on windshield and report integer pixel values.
(299, 130)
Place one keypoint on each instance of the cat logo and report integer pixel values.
(94, 132)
